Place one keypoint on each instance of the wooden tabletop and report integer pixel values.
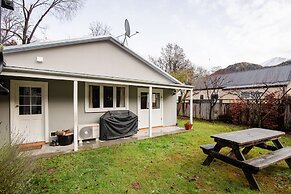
(248, 136)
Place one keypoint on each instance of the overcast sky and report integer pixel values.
(211, 32)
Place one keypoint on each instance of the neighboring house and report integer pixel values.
(275, 78)
(230, 87)
(60, 85)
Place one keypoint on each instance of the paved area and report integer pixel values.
(47, 150)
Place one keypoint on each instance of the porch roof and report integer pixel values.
(70, 76)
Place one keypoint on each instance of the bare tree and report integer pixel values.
(98, 29)
(24, 23)
(173, 60)
(213, 83)
(255, 99)
(10, 23)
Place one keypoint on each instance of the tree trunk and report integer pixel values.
(210, 112)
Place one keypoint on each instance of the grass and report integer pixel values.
(168, 164)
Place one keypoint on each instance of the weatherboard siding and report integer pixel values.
(100, 58)
(169, 108)
(4, 119)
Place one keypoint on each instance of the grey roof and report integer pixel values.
(59, 43)
(272, 76)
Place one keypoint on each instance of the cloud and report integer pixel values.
(258, 28)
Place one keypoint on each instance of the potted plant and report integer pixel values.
(65, 137)
(188, 126)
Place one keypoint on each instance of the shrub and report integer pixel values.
(225, 118)
(15, 170)
(239, 112)
(273, 113)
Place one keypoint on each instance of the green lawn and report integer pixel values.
(168, 164)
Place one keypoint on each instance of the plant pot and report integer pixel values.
(188, 126)
(65, 139)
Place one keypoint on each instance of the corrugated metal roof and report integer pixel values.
(277, 75)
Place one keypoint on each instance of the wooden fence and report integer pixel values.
(201, 111)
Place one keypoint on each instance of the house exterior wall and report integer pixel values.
(4, 119)
(60, 107)
(133, 99)
(169, 108)
(100, 58)
(230, 98)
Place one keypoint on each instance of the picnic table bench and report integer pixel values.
(246, 140)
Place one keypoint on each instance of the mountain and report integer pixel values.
(237, 67)
(274, 61)
(288, 62)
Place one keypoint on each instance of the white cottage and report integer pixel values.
(65, 84)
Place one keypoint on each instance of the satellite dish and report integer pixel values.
(127, 32)
(127, 28)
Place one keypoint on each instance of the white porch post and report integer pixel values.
(191, 106)
(150, 110)
(75, 102)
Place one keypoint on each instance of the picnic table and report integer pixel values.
(245, 140)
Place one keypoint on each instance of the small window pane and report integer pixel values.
(94, 97)
(156, 100)
(24, 101)
(120, 97)
(35, 91)
(108, 97)
(24, 110)
(144, 100)
(24, 91)
(36, 109)
(36, 100)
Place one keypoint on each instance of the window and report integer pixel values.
(94, 93)
(120, 96)
(108, 97)
(144, 100)
(101, 97)
(250, 95)
(156, 98)
(30, 101)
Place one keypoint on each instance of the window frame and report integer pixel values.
(248, 95)
(102, 109)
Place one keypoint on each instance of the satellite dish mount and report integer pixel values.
(127, 32)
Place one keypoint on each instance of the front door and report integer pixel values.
(28, 110)
(143, 107)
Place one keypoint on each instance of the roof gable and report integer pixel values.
(102, 56)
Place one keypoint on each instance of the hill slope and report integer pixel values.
(237, 67)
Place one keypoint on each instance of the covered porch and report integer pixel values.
(47, 150)
(67, 101)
